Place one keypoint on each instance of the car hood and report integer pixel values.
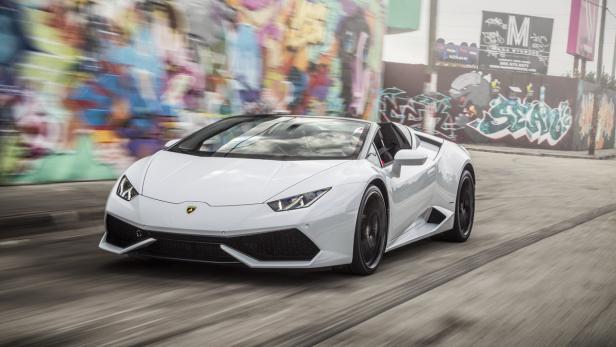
(177, 178)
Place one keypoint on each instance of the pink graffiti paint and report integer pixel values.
(256, 4)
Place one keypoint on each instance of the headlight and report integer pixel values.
(126, 190)
(298, 201)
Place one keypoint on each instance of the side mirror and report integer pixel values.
(170, 143)
(408, 157)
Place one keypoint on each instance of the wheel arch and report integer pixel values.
(357, 266)
(469, 167)
(377, 182)
(380, 184)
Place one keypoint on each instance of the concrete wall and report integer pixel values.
(87, 87)
(497, 107)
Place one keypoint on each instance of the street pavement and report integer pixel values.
(48, 198)
(33, 209)
(539, 269)
(600, 154)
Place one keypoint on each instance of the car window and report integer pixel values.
(417, 141)
(407, 138)
(389, 141)
(373, 156)
(382, 150)
(278, 138)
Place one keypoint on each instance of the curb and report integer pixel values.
(539, 154)
(51, 221)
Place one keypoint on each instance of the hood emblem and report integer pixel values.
(191, 209)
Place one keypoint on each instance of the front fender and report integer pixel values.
(356, 173)
(135, 174)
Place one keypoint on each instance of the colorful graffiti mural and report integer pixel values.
(606, 123)
(397, 106)
(491, 118)
(535, 120)
(474, 106)
(88, 86)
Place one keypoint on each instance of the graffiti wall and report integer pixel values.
(89, 86)
(607, 115)
(474, 106)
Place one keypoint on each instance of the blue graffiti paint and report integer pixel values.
(535, 120)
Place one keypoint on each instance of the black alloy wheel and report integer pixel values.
(370, 233)
(465, 210)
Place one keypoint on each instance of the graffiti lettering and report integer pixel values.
(396, 106)
(537, 121)
(476, 109)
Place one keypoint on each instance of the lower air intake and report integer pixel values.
(280, 245)
(122, 234)
(195, 251)
(283, 245)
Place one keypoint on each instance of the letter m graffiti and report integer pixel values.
(518, 36)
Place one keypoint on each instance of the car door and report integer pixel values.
(411, 190)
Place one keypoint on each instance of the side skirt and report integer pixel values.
(433, 222)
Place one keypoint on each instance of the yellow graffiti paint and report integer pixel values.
(307, 25)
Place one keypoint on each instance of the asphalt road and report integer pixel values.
(540, 269)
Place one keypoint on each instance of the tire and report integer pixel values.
(370, 233)
(465, 210)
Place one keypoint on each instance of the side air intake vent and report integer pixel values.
(436, 217)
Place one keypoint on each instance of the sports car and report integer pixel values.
(281, 191)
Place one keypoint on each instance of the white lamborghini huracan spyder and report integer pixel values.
(292, 192)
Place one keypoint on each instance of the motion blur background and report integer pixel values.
(87, 87)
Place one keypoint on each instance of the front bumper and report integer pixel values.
(289, 245)
(254, 235)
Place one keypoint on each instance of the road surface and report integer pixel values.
(539, 269)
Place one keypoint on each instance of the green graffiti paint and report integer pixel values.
(535, 120)
(88, 91)
(78, 165)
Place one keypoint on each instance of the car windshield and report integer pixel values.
(278, 138)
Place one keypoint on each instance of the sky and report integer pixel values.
(460, 20)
